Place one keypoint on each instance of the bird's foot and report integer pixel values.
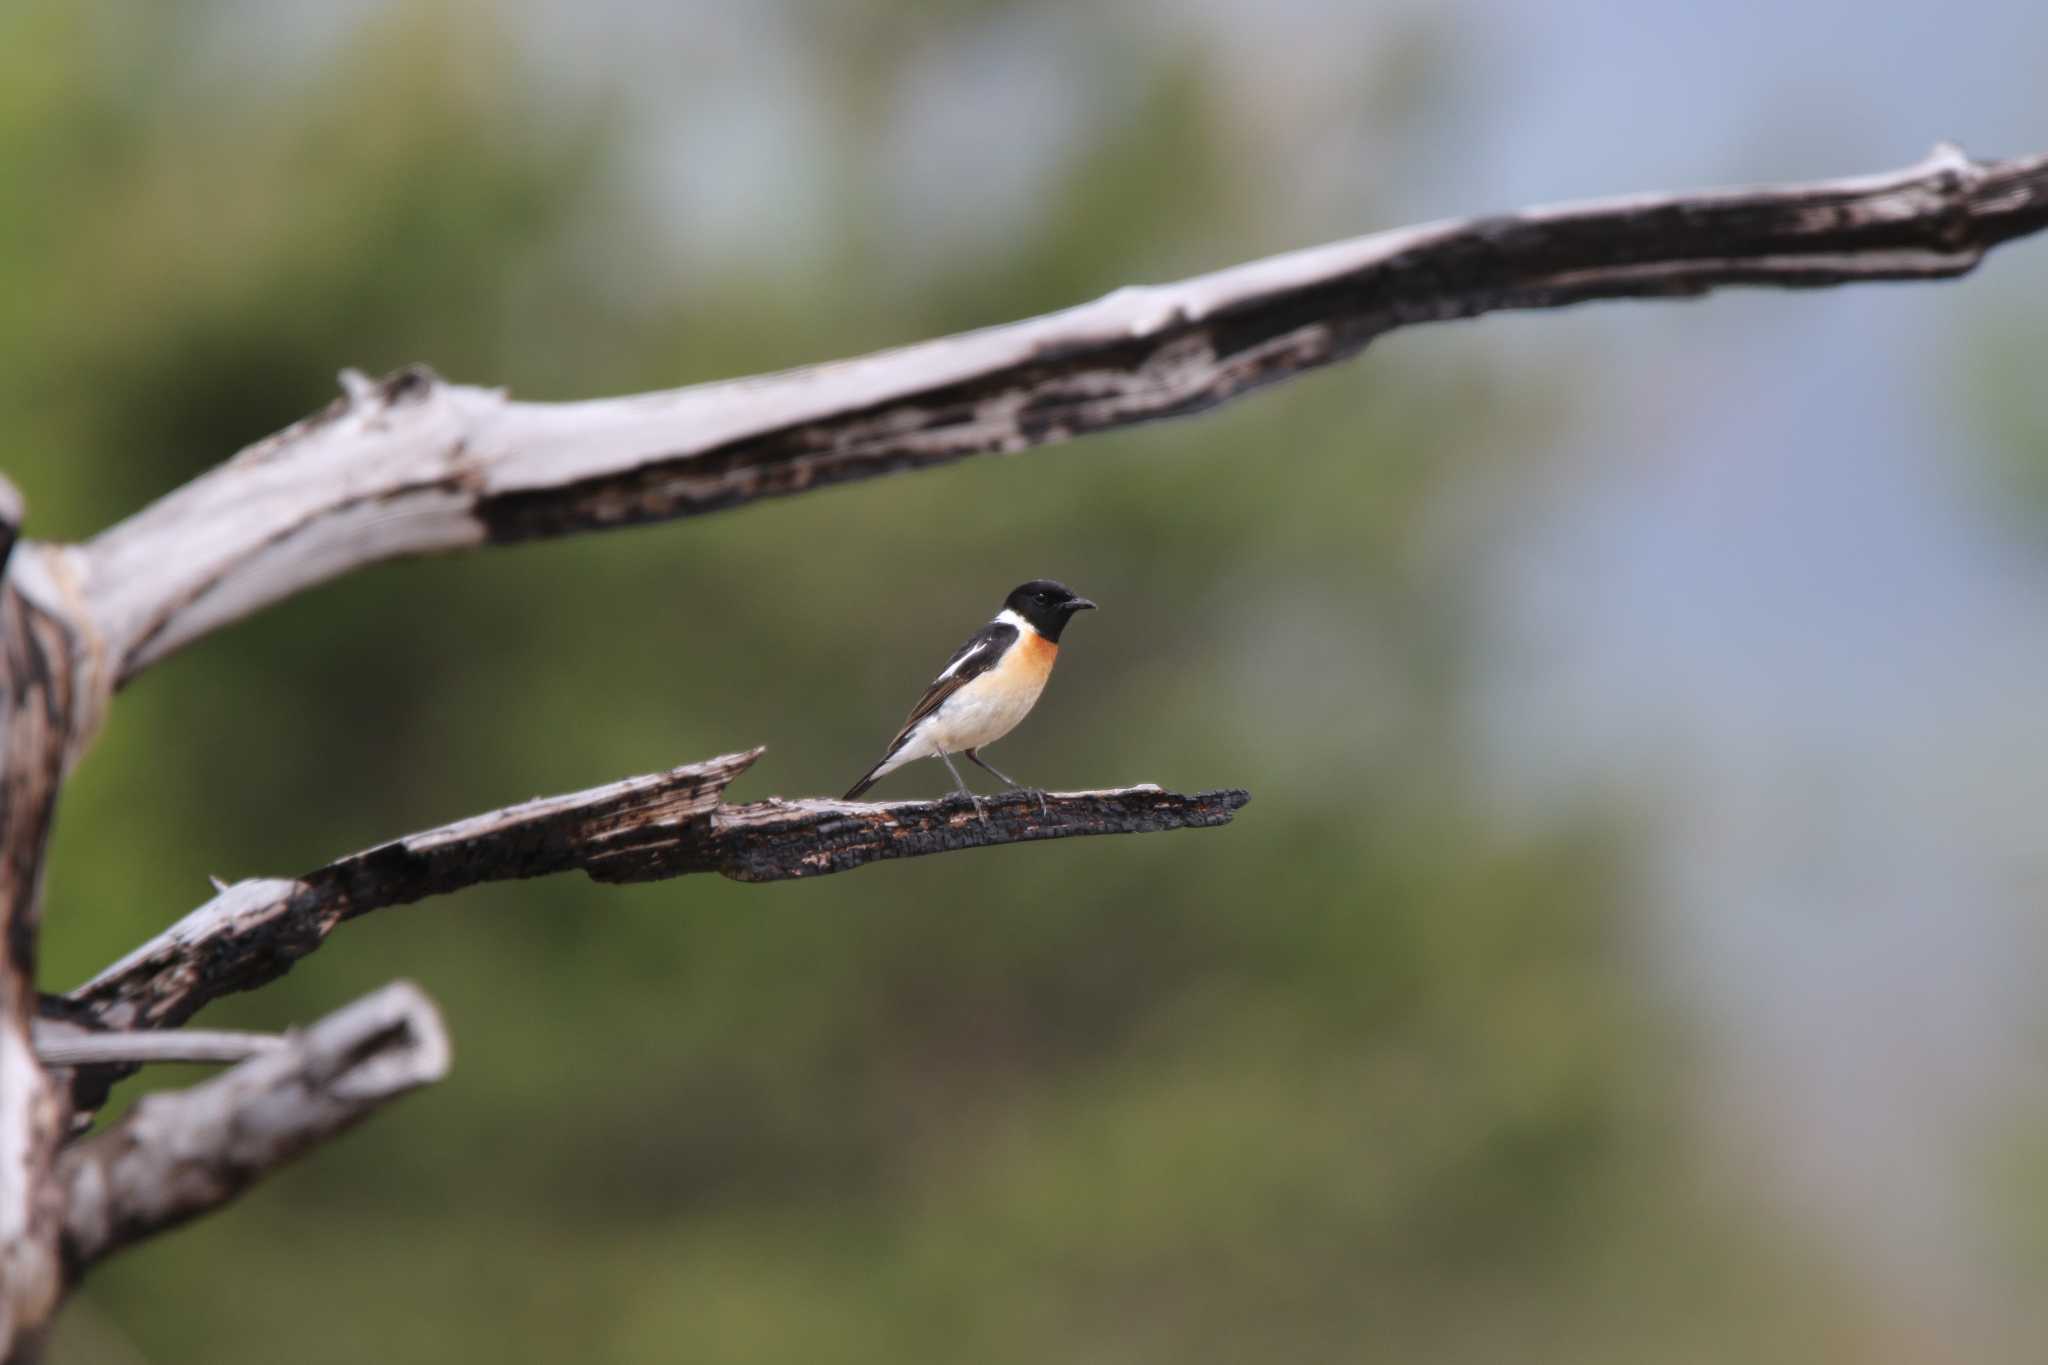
(1038, 794)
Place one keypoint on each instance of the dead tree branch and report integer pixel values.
(775, 840)
(253, 931)
(641, 829)
(60, 1043)
(413, 465)
(182, 1153)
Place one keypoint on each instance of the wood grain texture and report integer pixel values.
(180, 1153)
(412, 464)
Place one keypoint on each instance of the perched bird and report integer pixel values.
(989, 684)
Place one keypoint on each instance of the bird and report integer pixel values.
(986, 688)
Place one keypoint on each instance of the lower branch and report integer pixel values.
(641, 829)
(775, 840)
(253, 931)
(182, 1153)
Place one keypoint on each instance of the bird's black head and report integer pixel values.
(1047, 605)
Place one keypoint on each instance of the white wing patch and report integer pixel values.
(979, 649)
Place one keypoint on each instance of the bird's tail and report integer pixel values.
(900, 752)
(867, 779)
(873, 775)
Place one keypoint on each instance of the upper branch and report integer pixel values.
(641, 829)
(412, 465)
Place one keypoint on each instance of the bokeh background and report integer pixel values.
(1629, 954)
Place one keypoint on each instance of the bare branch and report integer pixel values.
(255, 930)
(412, 465)
(776, 840)
(182, 1153)
(59, 1043)
(642, 829)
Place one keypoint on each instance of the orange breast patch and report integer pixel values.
(1034, 655)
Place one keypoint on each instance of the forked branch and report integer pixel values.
(180, 1153)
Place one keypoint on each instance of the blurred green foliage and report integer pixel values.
(1363, 1076)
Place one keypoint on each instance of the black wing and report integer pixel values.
(970, 661)
(982, 651)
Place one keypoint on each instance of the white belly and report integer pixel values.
(980, 713)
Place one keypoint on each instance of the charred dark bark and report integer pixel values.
(641, 829)
(253, 931)
(776, 840)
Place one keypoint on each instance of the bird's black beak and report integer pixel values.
(1079, 604)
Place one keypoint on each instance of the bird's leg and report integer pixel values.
(974, 755)
(947, 759)
(1014, 784)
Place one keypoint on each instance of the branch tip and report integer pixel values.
(358, 388)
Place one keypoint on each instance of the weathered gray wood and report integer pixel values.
(180, 1153)
(412, 465)
(60, 1043)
